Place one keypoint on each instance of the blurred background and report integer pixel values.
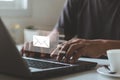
(29, 14)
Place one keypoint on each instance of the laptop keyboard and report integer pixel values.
(41, 64)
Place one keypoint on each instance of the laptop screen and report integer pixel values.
(10, 58)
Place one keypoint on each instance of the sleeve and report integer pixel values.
(67, 20)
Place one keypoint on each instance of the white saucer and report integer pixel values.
(104, 71)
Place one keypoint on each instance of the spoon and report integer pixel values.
(110, 72)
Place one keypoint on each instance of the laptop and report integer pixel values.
(12, 63)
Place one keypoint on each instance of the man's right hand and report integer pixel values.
(71, 50)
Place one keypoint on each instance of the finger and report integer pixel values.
(76, 40)
(73, 60)
(54, 53)
(72, 48)
(64, 46)
(75, 57)
(61, 55)
(67, 44)
(63, 51)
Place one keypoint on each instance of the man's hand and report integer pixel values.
(75, 48)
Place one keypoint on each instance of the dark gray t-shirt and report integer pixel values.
(91, 19)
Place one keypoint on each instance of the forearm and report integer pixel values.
(100, 46)
(113, 44)
(109, 44)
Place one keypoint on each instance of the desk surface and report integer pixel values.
(86, 75)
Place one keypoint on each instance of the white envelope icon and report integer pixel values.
(41, 41)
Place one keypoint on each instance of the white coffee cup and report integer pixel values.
(114, 59)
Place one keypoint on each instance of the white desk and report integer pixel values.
(87, 75)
